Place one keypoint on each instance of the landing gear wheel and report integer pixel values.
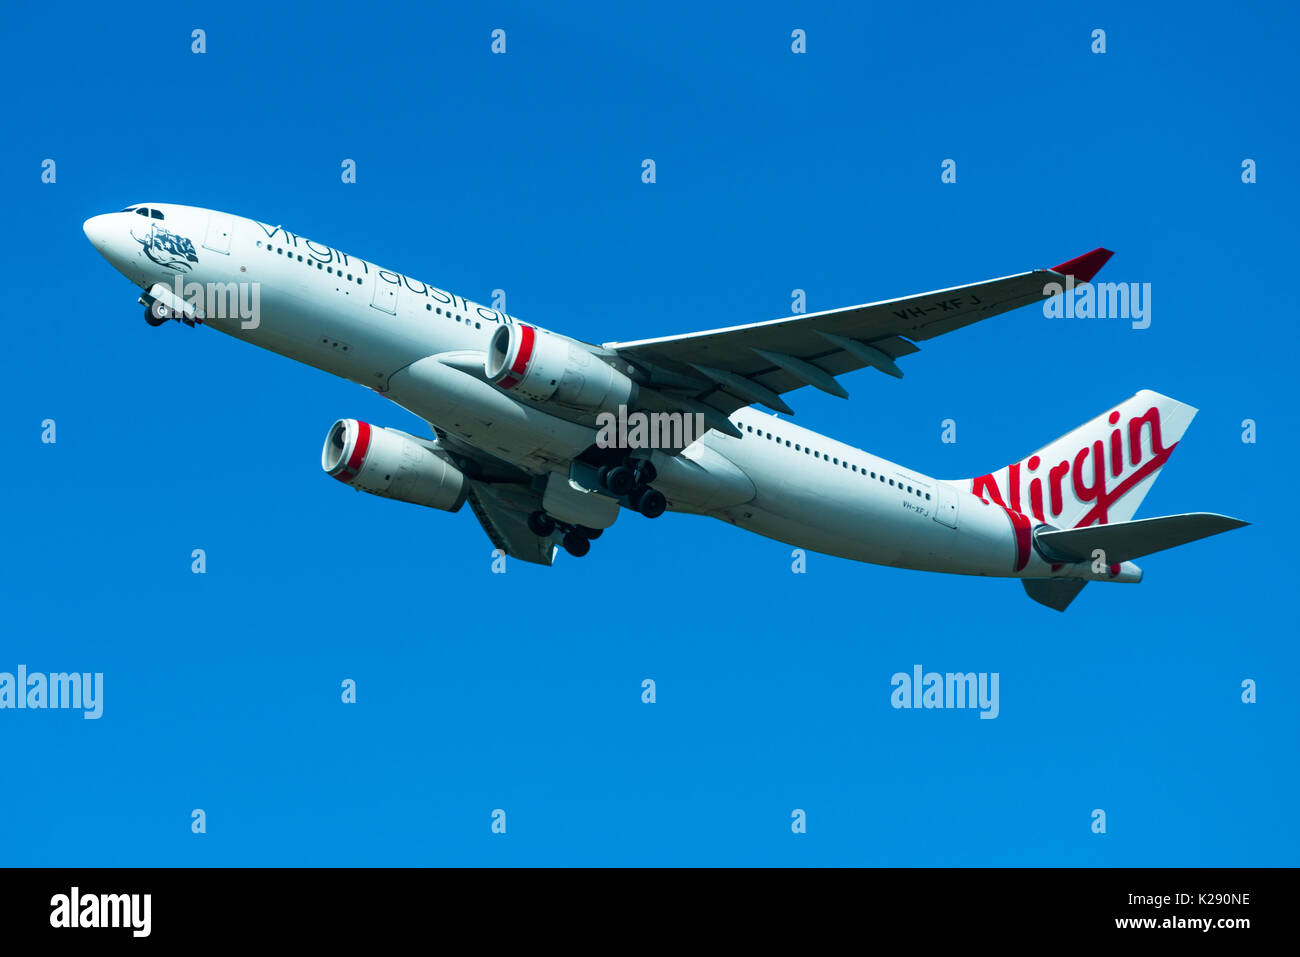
(645, 473)
(541, 524)
(590, 534)
(619, 480)
(652, 503)
(576, 545)
(152, 318)
(634, 496)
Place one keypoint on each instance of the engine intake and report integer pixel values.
(392, 464)
(542, 366)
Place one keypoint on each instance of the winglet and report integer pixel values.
(1084, 267)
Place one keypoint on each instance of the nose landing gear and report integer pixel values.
(157, 312)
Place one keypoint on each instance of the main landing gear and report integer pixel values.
(577, 538)
(629, 481)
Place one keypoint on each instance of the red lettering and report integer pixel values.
(986, 487)
(1097, 492)
(1036, 499)
(1151, 419)
(1055, 474)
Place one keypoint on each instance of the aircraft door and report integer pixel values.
(217, 238)
(945, 512)
(385, 295)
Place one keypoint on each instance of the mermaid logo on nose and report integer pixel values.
(167, 249)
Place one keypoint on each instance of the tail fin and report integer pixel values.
(1098, 473)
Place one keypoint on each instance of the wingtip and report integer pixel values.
(1084, 267)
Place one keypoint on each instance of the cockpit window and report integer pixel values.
(156, 213)
(142, 211)
(129, 209)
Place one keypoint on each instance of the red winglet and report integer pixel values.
(1084, 267)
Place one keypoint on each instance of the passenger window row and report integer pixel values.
(835, 460)
(289, 253)
(450, 315)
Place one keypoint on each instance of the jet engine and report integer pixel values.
(392, 464)
(542, 366)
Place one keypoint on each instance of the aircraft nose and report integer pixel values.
(97, 231)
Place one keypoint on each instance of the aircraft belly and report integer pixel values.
(845, 515)
(487, 418)
(701, 479)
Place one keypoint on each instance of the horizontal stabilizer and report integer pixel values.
(1125, 541)
(1056, 593)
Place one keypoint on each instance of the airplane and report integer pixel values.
(548, 438)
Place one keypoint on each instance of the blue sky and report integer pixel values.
(522, 691)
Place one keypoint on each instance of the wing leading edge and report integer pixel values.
(757, 363)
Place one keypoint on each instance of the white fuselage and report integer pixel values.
(374, 326)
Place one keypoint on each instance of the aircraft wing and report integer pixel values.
(502, 508)
(726, 369)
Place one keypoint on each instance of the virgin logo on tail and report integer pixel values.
(1082, 487)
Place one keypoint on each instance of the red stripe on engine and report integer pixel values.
(358, 456)
(526, 339)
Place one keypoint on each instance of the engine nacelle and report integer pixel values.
(542, 366)
(391, 464)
